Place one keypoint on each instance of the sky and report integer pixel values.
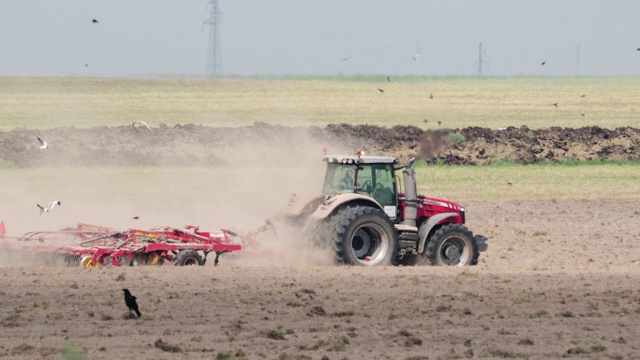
(135, 38)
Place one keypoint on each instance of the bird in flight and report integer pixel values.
(638, 49)
(49, 207)
(380, 90)
(345, 59)
(95, 21)
(542, 63)
(414, 58)
(136, 217)
(43, 144)
(86, 65)
(583, 95)
(130, 301)
(555, 104)
(389, 78)
(142, 123)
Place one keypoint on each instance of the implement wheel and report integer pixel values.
(86, 262)
(154, 258)
(188, 258)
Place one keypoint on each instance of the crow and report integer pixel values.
(130, 300)
(95, 21)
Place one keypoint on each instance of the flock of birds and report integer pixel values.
(414, 58)
(44, 145)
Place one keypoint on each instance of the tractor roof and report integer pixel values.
(364, 159)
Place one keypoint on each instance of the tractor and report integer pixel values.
(366, 218)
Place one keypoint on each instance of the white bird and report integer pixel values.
(140, 122)
(43, 144)
(502, 128)
(49, 207)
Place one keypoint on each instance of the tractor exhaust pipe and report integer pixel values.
(410, 194)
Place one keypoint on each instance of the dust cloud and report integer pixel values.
(253, 183)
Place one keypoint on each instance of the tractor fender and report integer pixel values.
(327, 207)
(425, 228)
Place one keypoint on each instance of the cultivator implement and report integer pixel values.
(95, 246)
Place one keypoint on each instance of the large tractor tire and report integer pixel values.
(188, 258)
(363, 236)
(452, 245)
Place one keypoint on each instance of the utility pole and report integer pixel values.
(480, 62)
(214, 54)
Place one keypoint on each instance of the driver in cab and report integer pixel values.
(347, 181)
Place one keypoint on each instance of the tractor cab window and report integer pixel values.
(377, 180)
(339, 178)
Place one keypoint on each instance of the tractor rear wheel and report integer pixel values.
(452, 245)
(363, 236)
(188, 258)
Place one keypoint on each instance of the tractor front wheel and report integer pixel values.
(452, 245)
(188, 258)
(363, 236)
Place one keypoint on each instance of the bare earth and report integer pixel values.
(560, 279)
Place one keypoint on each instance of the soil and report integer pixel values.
(199, 145)
(561, 278)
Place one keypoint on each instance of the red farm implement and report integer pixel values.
(96, 246)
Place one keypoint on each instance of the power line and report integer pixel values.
(214, 53)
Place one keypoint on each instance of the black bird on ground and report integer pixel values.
(130, 300)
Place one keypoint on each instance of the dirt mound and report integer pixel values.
(197, 145)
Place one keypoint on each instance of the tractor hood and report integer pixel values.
(429, 206)
(433, 201)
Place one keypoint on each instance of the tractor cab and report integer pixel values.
(367, 175)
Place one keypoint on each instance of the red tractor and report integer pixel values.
(367, 219)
